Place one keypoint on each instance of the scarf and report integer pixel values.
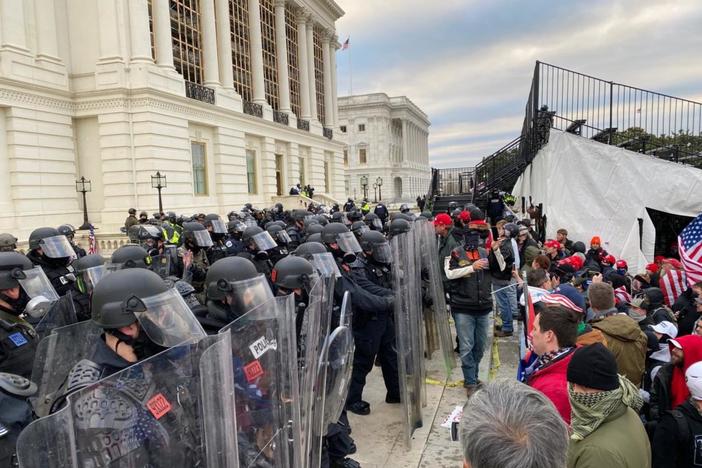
(590, 410)
(548, 358)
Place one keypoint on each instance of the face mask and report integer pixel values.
(261, 255)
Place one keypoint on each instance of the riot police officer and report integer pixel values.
(196, 240)
(282, 239)
(373, 222)
(381, 212)
(258, 244)
(89, 272)
(18, 340)
(233, 242)
(218, 230)
(377, 258)
(53, 253)
(358, 228)
(296, 229)
(70, 232)
(8, 242)
(16, 413)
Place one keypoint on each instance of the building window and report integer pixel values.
(241, 58)
(343, 129)
(361, 127)
(293, 66)
(362, 157)
(151, 28)
(270, 64)
(187, 43)
(318, 73)
(199, 157)
(346, 157)
(251, 171)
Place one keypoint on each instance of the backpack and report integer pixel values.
(683, 426)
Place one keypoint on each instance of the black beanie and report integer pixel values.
(594, 367)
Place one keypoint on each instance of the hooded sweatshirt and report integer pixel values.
(692, 353)
(627, 342)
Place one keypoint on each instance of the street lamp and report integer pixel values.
(84, 186)
(364, 184)
(158, 182)
(375, 193)
(379, 181)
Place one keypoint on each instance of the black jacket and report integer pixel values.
(471, 294)
(675, 443)
(660, 397)
(57, 274)
(688, 315)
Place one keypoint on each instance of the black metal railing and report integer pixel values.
(199, 92)
(303, 124)
(254, 109)
(452, 181)
(281, 117)
(500, 170)
(637, 119)
(328, 133)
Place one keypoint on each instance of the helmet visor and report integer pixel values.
(245, 295)
(92, 276)
(376, 224)
(218, 226)
(283, 237)
(151, 231)
(56, 247)
(325, 264)
(35, 284)
(168, 321)
(382, 253)
(348, 243)
(264, 241)
(250, 222)
(202, 239)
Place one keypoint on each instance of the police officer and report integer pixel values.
(53, 253)
(129, 256)
(171, 230)
(143, 217)
(18, 340)
(282, 238)
(398, 226)
(381, 212)
(16, 414)
(233, 242)
(349, 205)
(377, 258)
(70, 232)
(164, 257)
(196, 240)
(373, 222)
(89, 272)
(218, 230)
(131, 219)
(297, 228)
(358, 228)
(8, 242)
(258, 244)
(365, 207)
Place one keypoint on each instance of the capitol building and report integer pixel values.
(233, 101)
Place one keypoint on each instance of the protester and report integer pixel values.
(509, 425)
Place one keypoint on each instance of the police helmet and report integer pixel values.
(12, 265)
(229, 270)
(130, 256)
(8, 242)
(292, 272)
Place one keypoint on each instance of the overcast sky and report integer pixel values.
(468, 64)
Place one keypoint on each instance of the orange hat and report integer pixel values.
(442, 219)
(596, 240)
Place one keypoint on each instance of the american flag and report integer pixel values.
(93, 245)
(346, 44)
(690, 249)
(673, 285)
(530, 318)
(622, 296)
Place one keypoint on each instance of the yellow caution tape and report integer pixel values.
(458, 383)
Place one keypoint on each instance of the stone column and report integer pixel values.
(209, 42)
(405, 141)
(310, 68)
(328, 101)
(139, 35)
(281, 51)
(163, 42)
(256, 44)
(109, 33)
(302, 62)
(224, 44)
(47, 42)
(12, 23)
(333, 46)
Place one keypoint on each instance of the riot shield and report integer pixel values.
(60, 314)
(437, 315)
(337, 359)
(161, 264)
(266, 392)
(56, 355)
(173, 409)
(407, 318)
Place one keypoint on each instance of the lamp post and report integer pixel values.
(364, 184)
(375, 193)
(84, 186)
(379, 181)
(158, 182)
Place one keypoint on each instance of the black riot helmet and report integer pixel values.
(215, 225)
(129, 256)
(121, 294)
(331, 231)
(308, 249)
(236, 228)
(404, 208)
(279, 234)
(67, 230)
(299, 215)
(314, 238)
(250, 232)
(54, 245)
(452, 206)
(278, 208)
(12, 266)
(376, 247)
(90, 269)
(8, 242)
(292, 272)
(358, 228)
(145, 235)
(342, 243)
(476, 214)
(229, 270)
(196, 236)
(373, 222)
(399, 226)
(354, 215)
(322, 219)
(339, 217)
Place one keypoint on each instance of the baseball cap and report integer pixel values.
(665, 328)
(693, 379)
(552, 244)
(442, 219)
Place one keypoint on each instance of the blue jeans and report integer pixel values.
(472, 335)
(506, 299)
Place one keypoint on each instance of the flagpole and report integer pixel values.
(350, 71)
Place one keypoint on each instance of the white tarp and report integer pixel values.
(591, 189)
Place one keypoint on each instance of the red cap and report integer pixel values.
(621, 264)
(464, 216)
(575, 261)
(552, 244)
(674, 262)
(658, 259)
(609, 260)
(652, 267)
(442, 219)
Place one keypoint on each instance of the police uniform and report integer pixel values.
(18, 343)
(62, 277)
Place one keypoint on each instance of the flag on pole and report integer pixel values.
(672, 284)
(93, 245)
(346, 43)
(690, 249)
(621, 295)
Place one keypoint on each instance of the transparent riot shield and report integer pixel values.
(437, 318)
(408, 332)
(266, 391)
(337, 359)
(56, 355)
(161, 264)
(173, 409)
(60, 314)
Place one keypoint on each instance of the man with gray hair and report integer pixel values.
(507, 424)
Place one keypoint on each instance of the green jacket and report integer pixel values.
(446, 245)
(628, 344)
(620, 442)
